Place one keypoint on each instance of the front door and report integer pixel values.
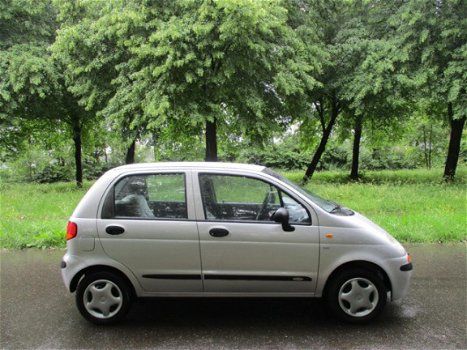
(242, 249)
(146, 226)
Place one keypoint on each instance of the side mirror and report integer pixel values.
(282, 216)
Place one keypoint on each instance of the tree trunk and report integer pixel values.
(324, 140)
(130, 153)
(211, 141)
(78, 156)
(430, 150)
(457, 126)
(356, 147)
(155, 138)
(425, 149)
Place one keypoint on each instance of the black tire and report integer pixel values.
(103, 297)
(357, 295)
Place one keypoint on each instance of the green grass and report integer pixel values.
(410, 212)
(394, 177)
(35, 215)
(413, 205)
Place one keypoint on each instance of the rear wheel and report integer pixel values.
(357, 295)
(103, 297)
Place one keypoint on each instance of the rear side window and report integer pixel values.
(154, 196)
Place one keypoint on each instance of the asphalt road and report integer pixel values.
(38, 312)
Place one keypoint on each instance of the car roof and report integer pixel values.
(189, 165)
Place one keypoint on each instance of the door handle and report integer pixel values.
(218, 232)
(114, 230)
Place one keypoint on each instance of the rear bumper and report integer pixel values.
(68, 269)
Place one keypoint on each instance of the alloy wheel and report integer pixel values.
(358, 297)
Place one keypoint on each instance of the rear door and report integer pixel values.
(242, 249)
(147, 223)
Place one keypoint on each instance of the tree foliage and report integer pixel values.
(189, 63)
(432, 39)
(28, 78)
(33, 86)
(114, 77)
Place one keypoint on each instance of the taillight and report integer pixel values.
(71, 230)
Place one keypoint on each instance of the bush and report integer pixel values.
(386, 158)
(93, 170)
(377, 177)
(63, 173)
(53, 173)
(277, 156)
(337, 157)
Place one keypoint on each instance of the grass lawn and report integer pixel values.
(35, 215)
(412, 205)
(410, 212)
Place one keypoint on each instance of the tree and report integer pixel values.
(373, 93)
(32, 85)
(371, 90)
(427, 134)
(432, 38)
(217, 60)
(191, 64)
(320, 25)
(27, 77)
(90, 46)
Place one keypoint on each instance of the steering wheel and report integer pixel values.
(269, 198)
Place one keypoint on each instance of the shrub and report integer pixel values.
(93, 170)
(53, 173)
(276, 156)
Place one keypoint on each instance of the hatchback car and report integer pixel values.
(231, 230)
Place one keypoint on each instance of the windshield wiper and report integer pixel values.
(336, 208)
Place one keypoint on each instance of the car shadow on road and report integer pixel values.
(270, 323)
(283, 313)
(226, 311)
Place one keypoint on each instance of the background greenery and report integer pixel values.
(295, 84)
(363, 99)
(413, 205)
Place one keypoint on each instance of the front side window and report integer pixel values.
(155, 196)
(241, 198)
(325, 204)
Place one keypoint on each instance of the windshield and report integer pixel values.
(325, 204)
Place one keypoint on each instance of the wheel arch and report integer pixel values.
(358, 264)
(100, 268)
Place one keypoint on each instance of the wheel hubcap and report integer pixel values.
(103, 299)
(358, 297)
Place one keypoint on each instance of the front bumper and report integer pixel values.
(399, 272)
(407, 267)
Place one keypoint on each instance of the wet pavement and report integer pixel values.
(38, 312)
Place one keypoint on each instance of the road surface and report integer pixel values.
(38, 312)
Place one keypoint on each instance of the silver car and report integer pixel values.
(218, 229)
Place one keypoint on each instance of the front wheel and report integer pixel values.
(357, 295)
(103, 297)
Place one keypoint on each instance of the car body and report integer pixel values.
(222, 229)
